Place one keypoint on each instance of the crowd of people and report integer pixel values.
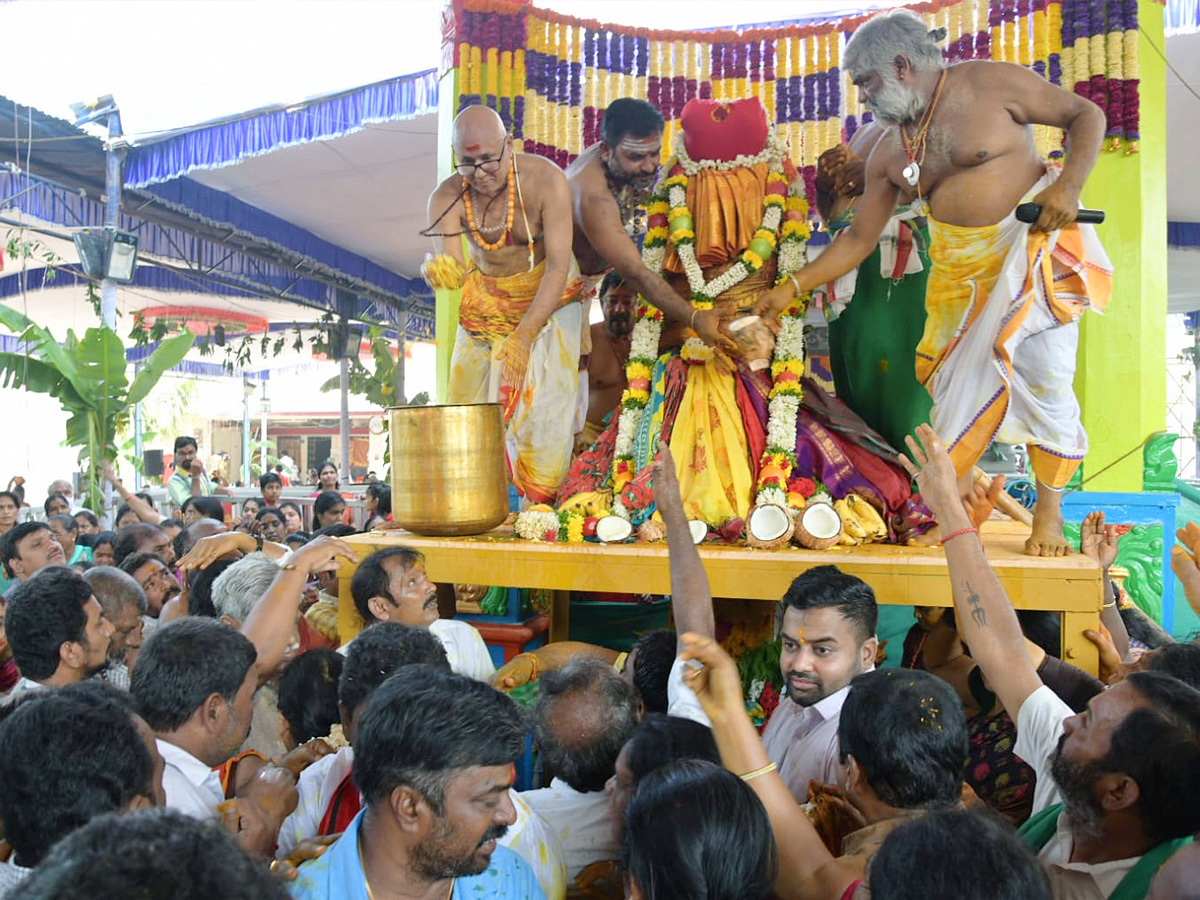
(207, 728)
(185, 713)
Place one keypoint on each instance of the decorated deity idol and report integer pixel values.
(748, 431)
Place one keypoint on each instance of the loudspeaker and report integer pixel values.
(152, 462)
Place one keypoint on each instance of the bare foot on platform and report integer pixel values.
(1047, 537)
(931, 538)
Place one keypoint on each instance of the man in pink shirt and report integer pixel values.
(826, 623)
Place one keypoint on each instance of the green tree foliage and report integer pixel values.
(88, 376)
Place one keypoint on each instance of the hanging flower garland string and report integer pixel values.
(787, 366)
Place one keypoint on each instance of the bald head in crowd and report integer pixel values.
(477, 128)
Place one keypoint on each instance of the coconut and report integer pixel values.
(698, 529)
(743, 322)
(768, 526)
(613, 529)
(818, 526)
(651, 531)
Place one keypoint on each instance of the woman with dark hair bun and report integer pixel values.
(695, 831)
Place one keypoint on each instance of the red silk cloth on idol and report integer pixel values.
(344, 805)
(717, 130)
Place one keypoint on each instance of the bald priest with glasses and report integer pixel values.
(520, 318)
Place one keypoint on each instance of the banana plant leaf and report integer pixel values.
(89, 377)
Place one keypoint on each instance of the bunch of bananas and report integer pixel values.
(443, 271)
(861, 522)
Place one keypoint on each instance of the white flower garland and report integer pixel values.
(772, 152)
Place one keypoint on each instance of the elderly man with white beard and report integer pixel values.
(1003, 298)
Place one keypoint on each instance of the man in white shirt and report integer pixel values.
(194, 684)
(56, 629)
(391, 586)
(584, 715)
(1116, 784)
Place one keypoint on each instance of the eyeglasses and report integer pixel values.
(489, 166)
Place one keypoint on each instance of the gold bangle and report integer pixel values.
(692, 320)
(795, 283)
(750, 776)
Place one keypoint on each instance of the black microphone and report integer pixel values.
(1029, 213)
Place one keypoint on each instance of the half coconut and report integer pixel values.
(769, 526)
(613, 529)
(698, 529)
(818, 526)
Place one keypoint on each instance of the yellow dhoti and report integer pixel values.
(540, 421)
(998, 352)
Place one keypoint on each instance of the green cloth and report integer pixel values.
(873, 346)
(1040, 828)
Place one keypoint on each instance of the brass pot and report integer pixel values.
(449, 475)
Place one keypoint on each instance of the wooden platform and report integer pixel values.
(899, 575)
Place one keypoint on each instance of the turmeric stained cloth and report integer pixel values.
(538, 434)
(1003, 304)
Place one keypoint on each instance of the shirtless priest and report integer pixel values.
(609, 181)
(520, 319)
(1003, 299)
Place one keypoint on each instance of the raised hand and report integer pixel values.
(321, 554)
(666, 484)
(980, 501)
(208, 550)
(1110, 659)
(716, 681)
(1184, 562)
(930, 466)
(1098, 541)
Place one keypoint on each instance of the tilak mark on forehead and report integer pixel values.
(643, 145)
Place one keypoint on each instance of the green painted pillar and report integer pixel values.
(1121, 378)
(446, 316)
